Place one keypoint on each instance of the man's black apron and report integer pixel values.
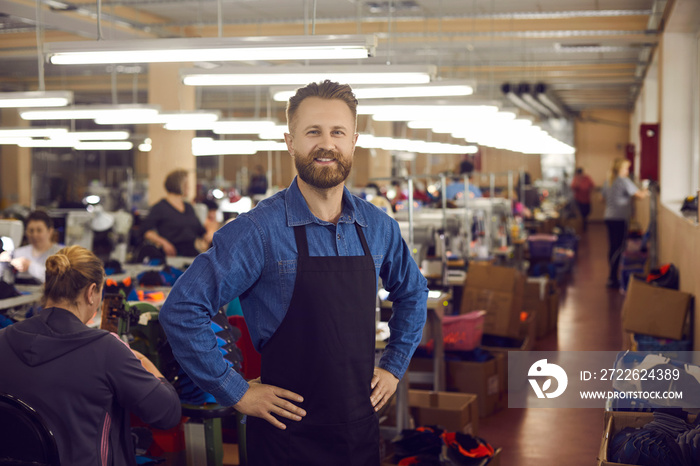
(324, 351)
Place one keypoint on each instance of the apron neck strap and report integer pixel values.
(303, 245)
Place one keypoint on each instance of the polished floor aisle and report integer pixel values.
(589, 319)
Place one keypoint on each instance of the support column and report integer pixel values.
(15, 166)
(677, 64)
(371, 163)
(171, 149)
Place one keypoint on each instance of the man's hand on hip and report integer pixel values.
(383, 387)
(264, 400)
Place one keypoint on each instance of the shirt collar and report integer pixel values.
(298, 212)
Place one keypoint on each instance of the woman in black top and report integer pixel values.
(171, 223)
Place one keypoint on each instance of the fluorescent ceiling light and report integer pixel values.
(104, 145)
(209, 146)
(32, 132)
(419, 112)
(82, 112)
(539, 107)
(429, 90)
(47, 143)
(98, 135)
(369, 141)
(242, 126)
(35, 99)
(198, 117)
(13, 141)
(276, 132)
(328, 47)
(296, 75)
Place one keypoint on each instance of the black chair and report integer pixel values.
(25, 439)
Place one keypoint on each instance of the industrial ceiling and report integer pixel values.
(590, 54)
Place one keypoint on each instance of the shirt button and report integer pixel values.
(338, 235)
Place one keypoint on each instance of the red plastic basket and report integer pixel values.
(463, 332)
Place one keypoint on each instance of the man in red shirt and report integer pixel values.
(582, 185)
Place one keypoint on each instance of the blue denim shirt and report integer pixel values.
(254, 258)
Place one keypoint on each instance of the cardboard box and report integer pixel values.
(499, 292)
(485, 379)
(553, 320)
(615, 421)
(656, 311)
(456, 412)
(537, 298)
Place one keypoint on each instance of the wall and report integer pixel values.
(646, 109)
(680, 244)
(600, 136)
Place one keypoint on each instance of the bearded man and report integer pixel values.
(305, 264)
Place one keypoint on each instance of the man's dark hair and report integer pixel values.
(466, 167)
(325, 90)
(579, 171)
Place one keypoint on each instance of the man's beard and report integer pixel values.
(322, 177)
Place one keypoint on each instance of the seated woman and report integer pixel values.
(30, 261)
(82, 381)
(172, 224)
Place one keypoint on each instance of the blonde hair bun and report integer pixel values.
(58, 264)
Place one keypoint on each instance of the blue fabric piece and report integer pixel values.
(254, 258)
(5, 321)
(216, 328)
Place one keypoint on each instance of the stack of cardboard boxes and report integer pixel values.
(653, 311)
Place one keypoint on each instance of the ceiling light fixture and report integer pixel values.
(430, 112)
(97, 135)
(197, 117)
(35, 99)
(209, 146)
(297, 75)
(88, 112)
(544, 95)
(32, 132)
(312, 47)
(510, 91)
(430, 90)
(104, 145)
(242, 126)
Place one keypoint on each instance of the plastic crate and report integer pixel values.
(463, 332)
(650, 343)
(541, 246)
(567, 241)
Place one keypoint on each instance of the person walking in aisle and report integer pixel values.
(618, 193)
(305, 263)
(582, 186)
